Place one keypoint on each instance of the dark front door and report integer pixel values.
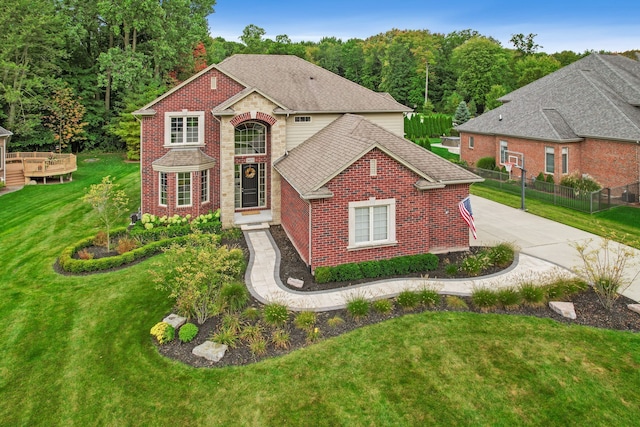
(249, 185)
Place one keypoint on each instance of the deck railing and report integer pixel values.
(42, 164)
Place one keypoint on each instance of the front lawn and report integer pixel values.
(76, 350)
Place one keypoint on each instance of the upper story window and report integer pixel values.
(302, 119)
(184, 128)
(250, 139)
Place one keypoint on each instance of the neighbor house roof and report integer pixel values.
(595, 97)
(4, 132)
(312, 164)
(295, 86)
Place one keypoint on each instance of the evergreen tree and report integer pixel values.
(462, 113)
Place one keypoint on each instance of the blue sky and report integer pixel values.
(583, 25)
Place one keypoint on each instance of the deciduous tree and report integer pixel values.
(109, 202)
(65, 118)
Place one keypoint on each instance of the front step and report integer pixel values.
(255, 226)
(14, 178)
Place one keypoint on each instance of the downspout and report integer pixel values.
(310, 239)
(141, 157)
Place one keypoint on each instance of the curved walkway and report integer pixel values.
(545, 249)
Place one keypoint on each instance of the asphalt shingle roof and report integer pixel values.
(312, 164)
(597, 97)
(4, 132)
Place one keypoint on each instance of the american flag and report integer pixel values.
(465, 211)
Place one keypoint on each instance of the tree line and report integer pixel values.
(71, 71)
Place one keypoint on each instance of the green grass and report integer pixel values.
(76, 350)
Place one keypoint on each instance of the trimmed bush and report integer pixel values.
(324, 275)
(486, 163)
(187, 332)
(370, 269)
(347, 272)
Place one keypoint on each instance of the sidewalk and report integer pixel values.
(545, 248)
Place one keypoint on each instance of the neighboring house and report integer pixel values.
(270, 138)
(4, 138)
(582, 118)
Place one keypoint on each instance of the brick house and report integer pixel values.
(582, 118)
(275, 139)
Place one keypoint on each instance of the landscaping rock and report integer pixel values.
(210, 350)
(634, 307)
(296, 283)
(565, 309)
(175, 320)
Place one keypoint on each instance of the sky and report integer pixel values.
(578, 26)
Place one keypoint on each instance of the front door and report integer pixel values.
(249, 185)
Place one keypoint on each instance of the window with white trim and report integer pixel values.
(183, 189)
(250, 139)
(549, 160)
(565, 160)
(204, 186)
(503, 152)
(163, 188)
(184, 128)
(372, 223)
(471, 142)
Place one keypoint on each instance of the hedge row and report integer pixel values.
(373, 269)
(425, 126)
(161, 233)
(72, 265)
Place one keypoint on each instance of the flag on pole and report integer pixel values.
(465, 211)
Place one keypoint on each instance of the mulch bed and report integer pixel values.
(588, 309)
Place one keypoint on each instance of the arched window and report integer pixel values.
(250, 139)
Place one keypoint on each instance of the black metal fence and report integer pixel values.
(568, 197)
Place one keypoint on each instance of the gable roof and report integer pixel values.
(295, 85)
(312, 164)
(595, 97)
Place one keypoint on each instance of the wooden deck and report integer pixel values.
(22, 167)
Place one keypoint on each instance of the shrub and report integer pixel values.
(580, 183)
(225, 336)
(358, 307)
(486, 163)
(502, 255)
(485, 299)
(126, 244)
(323, 275)
(426, 262)
(335, 321)
(429, 297)
(509, 297)
(187, 332)
(234, 296)
(305, 320)
(275, 314)
(408, 300)
(473, 265)
(280, 338)
(347, 272)
(100, 239)
(85, 254)
(451, 269)
(387, 267)
(258, 347)
(401, 265)
(370, 269)
(532, 295)
(163, 332)
(549, 179)
(383, 306)
(251, 313)
(455, 303)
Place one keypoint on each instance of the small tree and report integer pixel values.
(108, 201)
(462, 113)
(603, 267)
(65, 118)
(194, 273)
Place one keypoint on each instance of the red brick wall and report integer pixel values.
(195, 96)
(611, 163)
(295, 219)
(425, 220)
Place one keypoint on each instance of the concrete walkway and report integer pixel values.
(545, 249)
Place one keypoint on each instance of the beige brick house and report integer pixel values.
(583, 118)
(212, 142)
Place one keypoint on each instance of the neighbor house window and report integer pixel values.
(184, 188)
(185, 128)
(503, 152)
(302, 119)
(565, 160)
(549, 158)
(204, 186)
(471, 142)
(372, 223)
(250, 138)
(163, 189)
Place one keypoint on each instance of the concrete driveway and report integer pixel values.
(540, 237)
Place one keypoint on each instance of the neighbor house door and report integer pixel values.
(249, 178)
